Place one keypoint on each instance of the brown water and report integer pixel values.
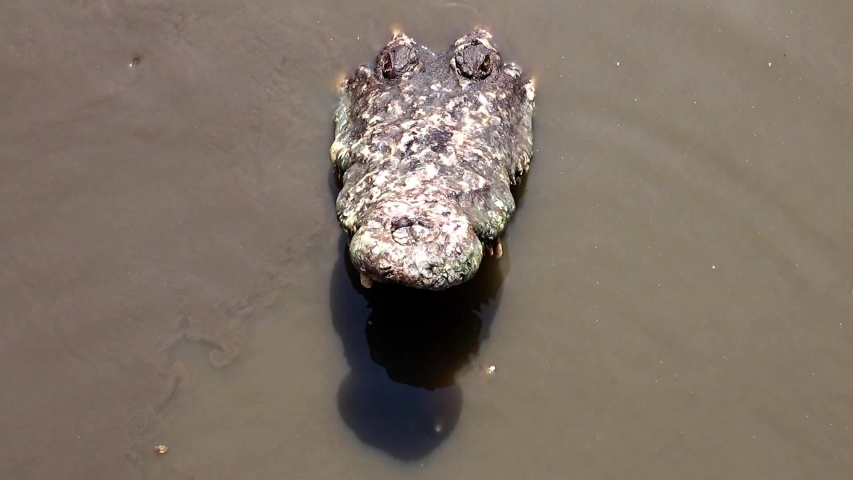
(675, 300)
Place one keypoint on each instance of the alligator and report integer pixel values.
(426, 148)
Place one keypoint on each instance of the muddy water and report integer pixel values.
(675, 300)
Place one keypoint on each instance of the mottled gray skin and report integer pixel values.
(427, 146)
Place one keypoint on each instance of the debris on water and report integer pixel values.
(161, 449)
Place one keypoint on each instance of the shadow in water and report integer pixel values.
(406, 348)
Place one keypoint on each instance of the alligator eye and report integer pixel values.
(475, 61)
(486, 66)
(387, 65)
(397, 60)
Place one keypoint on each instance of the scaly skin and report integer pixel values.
(427, 146)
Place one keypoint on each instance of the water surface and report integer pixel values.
(674, 301)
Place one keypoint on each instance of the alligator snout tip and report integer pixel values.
(428, 246)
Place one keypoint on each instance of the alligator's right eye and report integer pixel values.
(387, 65)
(394, 61)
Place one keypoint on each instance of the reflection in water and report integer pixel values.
(405, 348)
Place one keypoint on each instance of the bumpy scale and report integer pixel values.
(427, 146)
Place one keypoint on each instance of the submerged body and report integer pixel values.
(427, 146)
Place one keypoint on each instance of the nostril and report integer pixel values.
(408, 231)
(401, 223)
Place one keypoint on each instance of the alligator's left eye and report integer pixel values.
(486, 65)
(475, 61)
